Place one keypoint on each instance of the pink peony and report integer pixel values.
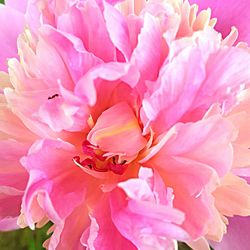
(124, 123)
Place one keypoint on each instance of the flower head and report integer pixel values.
(120, 120)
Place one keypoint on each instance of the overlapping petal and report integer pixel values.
(147, 218)
(54, 181)
(228, 14)
(120, 120)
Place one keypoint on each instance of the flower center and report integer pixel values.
(99, 161)
(114, 141)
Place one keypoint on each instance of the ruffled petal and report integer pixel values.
(201, 166)
(67, 234)
(142, 218)
(206, 141)
(54, 181)
(229, 13)
(210, 73)
(236, 192)
(102, 231)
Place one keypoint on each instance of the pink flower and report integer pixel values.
(124, 123)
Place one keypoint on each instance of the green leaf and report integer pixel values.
(24, 239)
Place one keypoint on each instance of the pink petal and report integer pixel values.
(54, 180)
(26, 104)
(177, 172)
(240, 116)
(147, 55)
(173, 98)
(102, 231)
(9, 33)
(236, 236)
(173, 93)
(229, 13)
(71, 49)
(111, 131)
(67, 235)
(85, 88)
(229, 74)
(18, 5)
(205, 141)
(51, 65)
(200, 244)
(61, 114)
(13, 180)
(118, 30)
(10, 202)
(98, 42)
(141, 217)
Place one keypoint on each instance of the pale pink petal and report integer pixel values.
(51, 65)
(111, 131)
(240, 116)
(11, 126)
(189, 196)
(229, 74)
(236, 192)
(149, 52)
(131, 7)
(173, 93)
(118, 30)
(64, 112)
(191, 93)
(18, 5)
(204, 142)
(85, 88)
(177, 171)
(24, 107)
(200, 244)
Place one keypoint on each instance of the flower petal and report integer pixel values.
(13, 180)
(9, 33)
(236, 192)
(236, 236)
(229, 13)
(102, 231)
(144, 220)
(18, 5)
(118, 30)
(117, 133)
(57, 184)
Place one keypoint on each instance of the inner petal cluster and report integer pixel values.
(113, 142)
